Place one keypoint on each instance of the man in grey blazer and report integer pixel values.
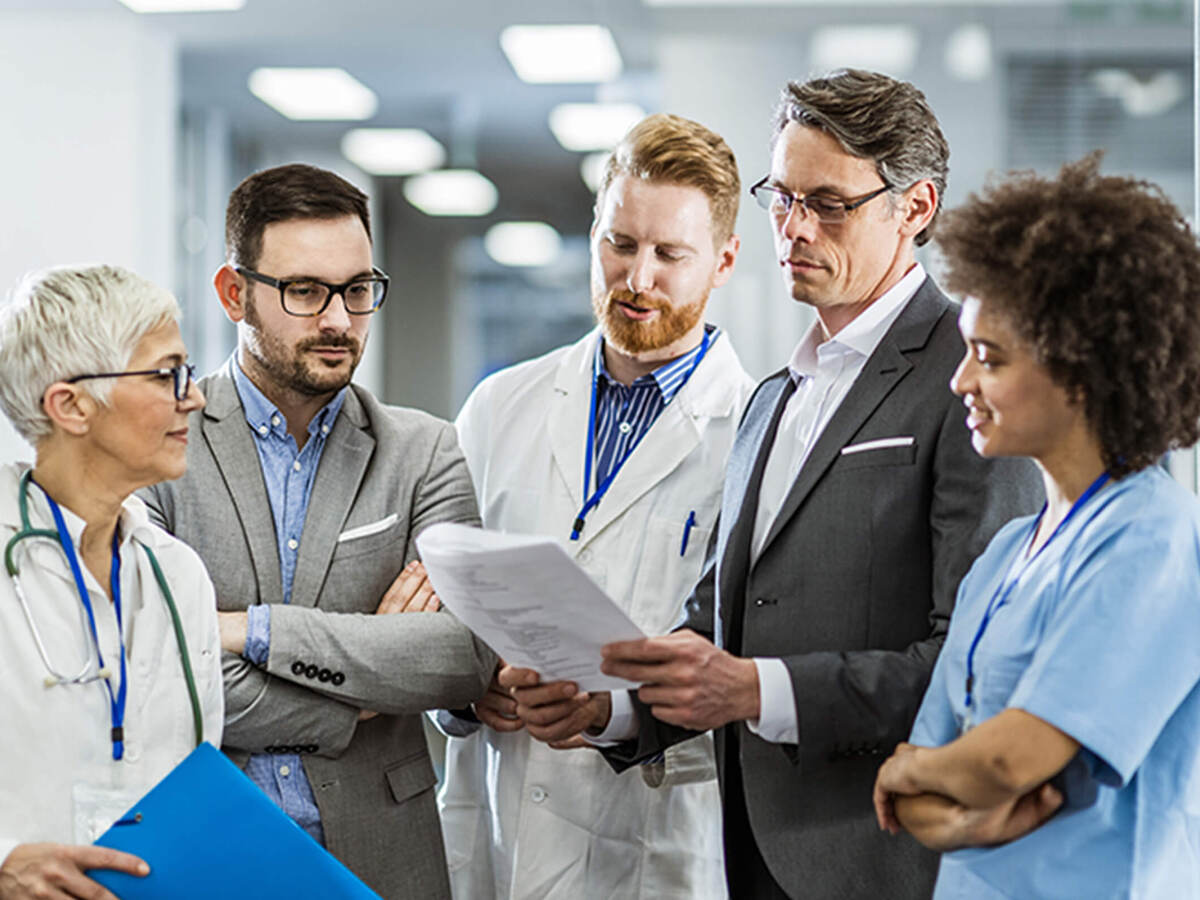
(304, 495)
(853, 504)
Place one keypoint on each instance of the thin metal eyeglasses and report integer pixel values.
(183, 374)
(828, 210)
(311, 297)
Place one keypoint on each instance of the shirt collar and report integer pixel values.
(863, 334)
(264, 416)
(670, 376)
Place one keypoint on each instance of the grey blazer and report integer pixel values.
(385, 474)
(853, 590)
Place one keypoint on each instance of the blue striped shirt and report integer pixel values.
(288, 474)
(625, 413)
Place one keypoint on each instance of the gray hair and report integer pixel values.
(69, 321)
(874, 117)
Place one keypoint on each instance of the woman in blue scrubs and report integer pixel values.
(1057, 750)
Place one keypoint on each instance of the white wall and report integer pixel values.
(88, 155)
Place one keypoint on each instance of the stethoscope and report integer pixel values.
(93, 668)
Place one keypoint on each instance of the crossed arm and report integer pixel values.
(989, 786)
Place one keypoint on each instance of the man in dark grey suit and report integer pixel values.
(853, 504)
(304, 496)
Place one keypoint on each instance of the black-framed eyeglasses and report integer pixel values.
(183, 375)
(828, 210)
(310, 297)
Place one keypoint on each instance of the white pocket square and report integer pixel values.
(879, 444)
(368, 529)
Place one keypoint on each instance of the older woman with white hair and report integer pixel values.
(108, 627)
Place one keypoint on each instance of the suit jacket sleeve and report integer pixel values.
(400, 663)
(866, 700)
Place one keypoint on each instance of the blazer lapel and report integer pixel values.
(882, 372)
(340, 472)
(228, 436)
(739, 500)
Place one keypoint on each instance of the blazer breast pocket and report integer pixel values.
(370, 537)
(890, 451)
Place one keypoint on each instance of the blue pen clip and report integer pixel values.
(687, 529)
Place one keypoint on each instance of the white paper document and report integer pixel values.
(528, 600)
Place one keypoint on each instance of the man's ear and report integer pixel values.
(231, 291)
(918, 205)
(726, 257)
(70, 407)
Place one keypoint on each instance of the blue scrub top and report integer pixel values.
(1100, 638)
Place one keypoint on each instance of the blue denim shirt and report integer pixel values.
(288, 474)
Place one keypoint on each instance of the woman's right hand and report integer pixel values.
(55, 871)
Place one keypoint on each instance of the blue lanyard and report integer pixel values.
(1005, 588)
(117, 701)
(594, 499)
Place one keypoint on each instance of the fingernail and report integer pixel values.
(143, 869)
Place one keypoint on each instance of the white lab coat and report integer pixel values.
(522, 820)
(60, 782)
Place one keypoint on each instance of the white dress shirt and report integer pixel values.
(823, 372)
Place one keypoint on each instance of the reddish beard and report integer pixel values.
(631, 336)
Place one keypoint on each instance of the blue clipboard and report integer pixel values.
(207, 830)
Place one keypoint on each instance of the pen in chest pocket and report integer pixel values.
(687, 530)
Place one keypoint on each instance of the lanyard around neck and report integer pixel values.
(116, 701)
(1006, 586)
(592, 500)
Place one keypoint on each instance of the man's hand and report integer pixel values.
(232, 626)
(497, 709)
(686, 680)
(557, 711)
(893, 779)
(56, 871)
(410, 592)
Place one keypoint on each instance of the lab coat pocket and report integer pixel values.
(668, 568)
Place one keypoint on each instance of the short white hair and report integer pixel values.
(67, 321)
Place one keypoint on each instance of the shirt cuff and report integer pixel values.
(622, 723)
(258, 634)
(777, 720)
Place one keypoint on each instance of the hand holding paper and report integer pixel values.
(528, 600)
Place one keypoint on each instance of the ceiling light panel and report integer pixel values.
(591, 168)
(557, 54)
(881, 48)
(392, 151)
(179, 6)
(314, 94)
(586, 127)
(451, 192)
(522, 243)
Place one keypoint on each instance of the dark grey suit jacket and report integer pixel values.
(853, 590)
(385, 474)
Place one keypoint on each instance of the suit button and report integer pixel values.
(310, 748)
(297, 668)
(297, 749)
(311, 671)
(324, 675)
(337, 678)
(268, 749)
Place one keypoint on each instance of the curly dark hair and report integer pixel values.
(1100, 275)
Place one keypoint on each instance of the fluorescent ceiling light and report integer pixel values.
(164, 6)
(1153, 97)
(522, 243)
(326, 94)
(546, 54)
(593, 126)
(881, 48)
(591, 168)
(451, 192)
(969, 53)
(392, 151)
(841, 3)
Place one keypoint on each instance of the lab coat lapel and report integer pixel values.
(567, 416)
(341, 470)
